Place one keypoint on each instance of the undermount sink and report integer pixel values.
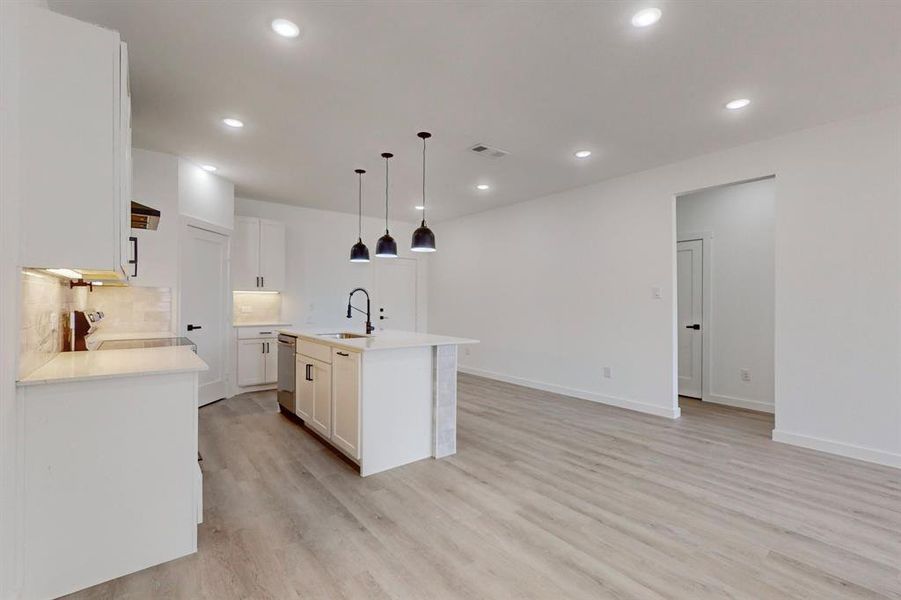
(342, 336)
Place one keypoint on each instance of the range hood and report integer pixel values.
(144, 217)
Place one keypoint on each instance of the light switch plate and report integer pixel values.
(657, 292)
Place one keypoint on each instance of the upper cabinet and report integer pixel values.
(75, 144)
(258, 255)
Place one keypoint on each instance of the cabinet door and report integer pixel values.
(272, 255)
(346, 401)
(251, 363)
(321, 419)
(304, 388)
(125, 167)
(69, 162)
(245, 254)
(271, 361)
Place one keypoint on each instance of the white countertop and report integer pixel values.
(108, 364)
(380, 340)
(93, 340)
(262, 324)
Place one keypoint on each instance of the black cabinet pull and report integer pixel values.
(262, 281)
(193, 327)
(309, 373)
(134, 261)
(342, 354)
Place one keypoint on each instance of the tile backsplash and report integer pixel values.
(48, 300)
(251, 308)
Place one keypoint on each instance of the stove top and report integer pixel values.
(146, 343)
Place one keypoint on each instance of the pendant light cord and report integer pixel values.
(386, 194)
(423, 180)
(360, 208)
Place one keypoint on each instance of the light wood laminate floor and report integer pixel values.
(547, 497)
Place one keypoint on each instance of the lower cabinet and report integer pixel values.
(328, 398)
(346, 401)
(314, 394)
(257, 362)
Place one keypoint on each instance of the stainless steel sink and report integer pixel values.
(342, 336)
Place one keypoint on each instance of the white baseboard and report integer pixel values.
(740, 403)
(643, 407)
(872, 455)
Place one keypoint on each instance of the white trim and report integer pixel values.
(872, 455)
(747, 403)
(206, 225)
(642, 407)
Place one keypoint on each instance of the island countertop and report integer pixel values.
(380, 340)
(107, 364)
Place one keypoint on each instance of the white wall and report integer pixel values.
(560, 286)
(318, 273)
(205, 196)
(740, 219)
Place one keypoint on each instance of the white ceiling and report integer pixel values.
(538, 79)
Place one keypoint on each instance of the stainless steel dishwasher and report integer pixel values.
(287, 347)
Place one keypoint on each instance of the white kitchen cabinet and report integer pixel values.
(346, 401)
(314, 394)
(272, 255)
(257, 362)
(74, 157)
(258, 255)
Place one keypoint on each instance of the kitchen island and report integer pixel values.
(384, 400)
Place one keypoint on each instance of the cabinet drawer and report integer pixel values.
(248, 333)
(314, 350)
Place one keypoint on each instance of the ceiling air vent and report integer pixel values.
(489, 151)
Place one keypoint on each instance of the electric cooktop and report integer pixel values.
(146, 343)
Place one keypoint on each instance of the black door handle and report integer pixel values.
(696, 326)
(193, 327)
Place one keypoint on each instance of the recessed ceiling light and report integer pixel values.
(646, 17)
(285, 28)
(583, 153)
(419, 207)
(232, 122)
(738, 103)
(483, 187)
(208, 168)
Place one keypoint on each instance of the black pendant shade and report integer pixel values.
(386, 247)
(423, 238)
(359, 253)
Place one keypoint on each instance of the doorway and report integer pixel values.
(203, 315)
(395, 294)
(725, 301)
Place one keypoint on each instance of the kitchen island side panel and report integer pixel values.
(397, 402)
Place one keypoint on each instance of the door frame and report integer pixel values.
(706, 239)
(228, 355)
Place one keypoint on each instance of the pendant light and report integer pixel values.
(359, 253)
(423, 238)
(386, 247)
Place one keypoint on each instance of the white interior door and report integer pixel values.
(689, 273)
(395, 294)
(204, 299)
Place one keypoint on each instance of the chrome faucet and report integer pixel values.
(369, 327)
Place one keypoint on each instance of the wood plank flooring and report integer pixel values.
(548, 497)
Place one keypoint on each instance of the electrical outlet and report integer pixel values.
(467, 351)
(657, 292)
(245, 309)
(745, 374)
(608, 373)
